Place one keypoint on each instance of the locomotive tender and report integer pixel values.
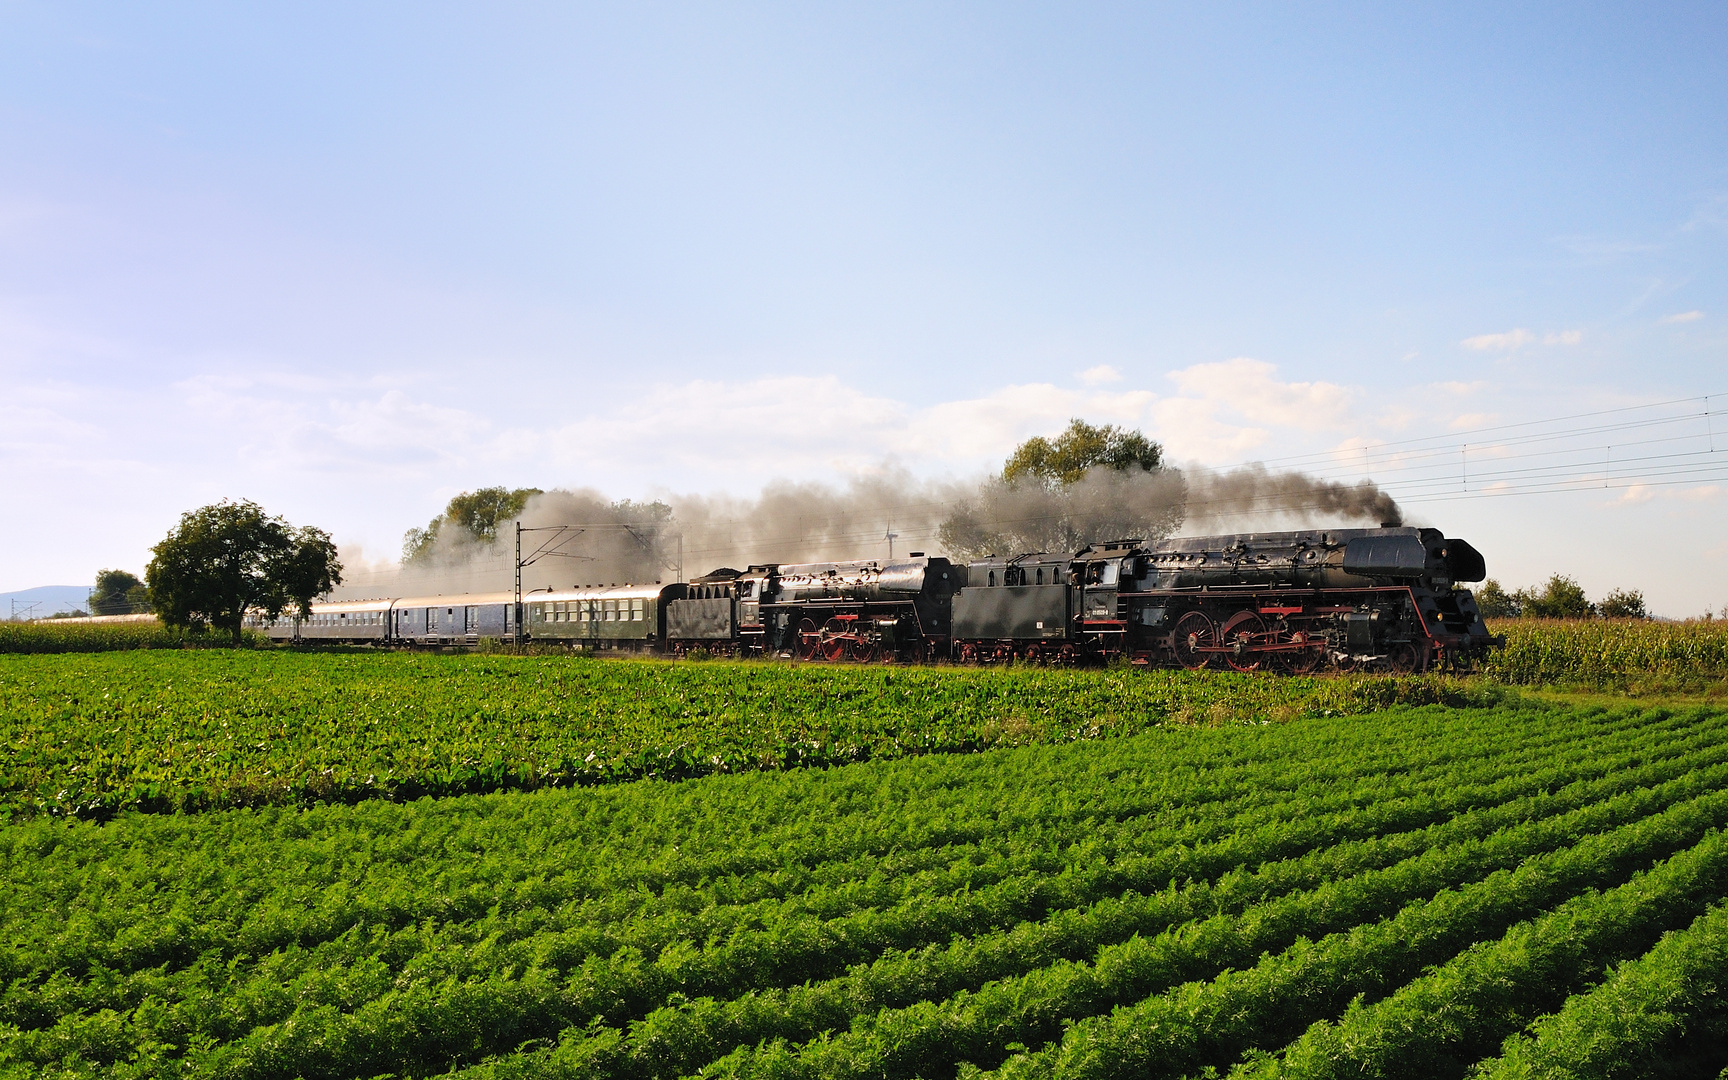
(1381, 599)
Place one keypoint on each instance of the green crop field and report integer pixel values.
(57, 637)
(1610, 653)
(1531, 888)
(89, 734)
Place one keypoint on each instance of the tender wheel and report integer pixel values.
(1242, 632)
(1192, 633)
(809, 640)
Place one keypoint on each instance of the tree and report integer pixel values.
(118, 593)
(229, 557)
(1087, 484)
(1560, 598)
(1495, 602)
(1066, 459)
(1623, 604)
(478, 514)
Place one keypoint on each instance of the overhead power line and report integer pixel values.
(1659, 445)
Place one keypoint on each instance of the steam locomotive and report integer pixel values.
(1385, 599)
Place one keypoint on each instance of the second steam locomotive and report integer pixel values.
(1387, 599)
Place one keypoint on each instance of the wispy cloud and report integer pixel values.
(1516, 339)
(1511, 339)
(1461, 389)
(1597, 251)
(1683, 316)
(1096, 376)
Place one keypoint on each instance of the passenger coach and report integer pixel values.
(631, 617)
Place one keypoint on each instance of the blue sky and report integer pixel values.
(348, 263)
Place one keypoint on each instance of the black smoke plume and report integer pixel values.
(614, 542)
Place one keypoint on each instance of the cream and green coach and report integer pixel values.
(629, 617)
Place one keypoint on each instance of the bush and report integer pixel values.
(1623, 604)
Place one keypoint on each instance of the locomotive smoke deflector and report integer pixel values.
(1463, 562)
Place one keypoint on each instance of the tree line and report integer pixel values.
(1561, 597)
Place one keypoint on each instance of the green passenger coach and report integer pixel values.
(619, 617)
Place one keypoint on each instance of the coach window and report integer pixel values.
(992, 577)
(636, 611)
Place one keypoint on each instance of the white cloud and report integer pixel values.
(1461, 389)
(1636, 494)
(1511, 339)
(1103, 373)
(1680, 317)
(1248, 386)
(1564, 337)
(727, 435)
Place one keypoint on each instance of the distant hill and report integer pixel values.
(48, 598)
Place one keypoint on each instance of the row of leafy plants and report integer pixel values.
(166, 731)
(1160, 903)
